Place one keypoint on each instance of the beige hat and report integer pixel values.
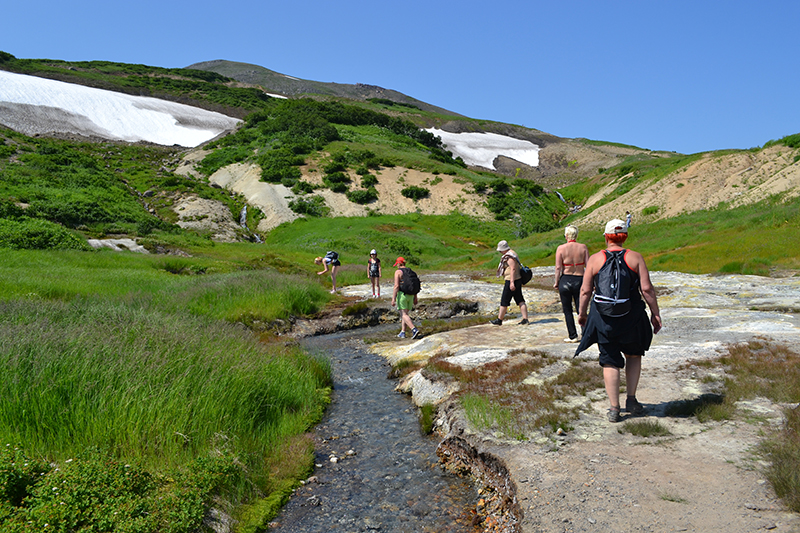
(503, 246)
(615, 226)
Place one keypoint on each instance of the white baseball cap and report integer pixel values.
(615, 226)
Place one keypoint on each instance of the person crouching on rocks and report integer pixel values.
(405, 301)
(509, 269)
(618, 320)
(571, 259)
(331, 260)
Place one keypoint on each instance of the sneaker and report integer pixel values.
(414, 333)
(572, 339)
(523, 322)
(401, 335)
(633, 406)
(613, 415)
(496, 322)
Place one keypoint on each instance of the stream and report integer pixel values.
(375, 471)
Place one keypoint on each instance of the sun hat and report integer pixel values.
(615, 226)
(400, 261)
(373, 252)
(503, 246)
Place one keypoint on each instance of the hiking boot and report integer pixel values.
(572, 339)
(523, 322)
(401, 335)
(414, 333)
(613, 415)
(633, 406)
(496, 322)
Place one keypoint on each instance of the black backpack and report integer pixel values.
(409, 283)
(525, 273)
(612, 286)
(333, 256)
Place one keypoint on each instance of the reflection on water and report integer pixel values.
(375, 471)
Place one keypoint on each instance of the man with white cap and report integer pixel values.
(617, 283)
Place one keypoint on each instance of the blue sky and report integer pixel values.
(683, 76)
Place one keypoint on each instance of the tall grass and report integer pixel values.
(146, 385)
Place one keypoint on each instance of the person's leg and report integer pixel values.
(566, 306)
(633, 369)
(378, 286)
(502, 312)
(408, 321)
(404, 319)
(333, 276)
(523, 307)
(611, 380)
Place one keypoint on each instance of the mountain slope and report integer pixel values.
(275, 82)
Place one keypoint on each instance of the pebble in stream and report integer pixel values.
(375, 470)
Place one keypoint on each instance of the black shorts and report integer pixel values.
(611, 354)
(505, 299)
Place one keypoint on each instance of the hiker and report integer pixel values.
(374, 273)
(509, 268)
(628, 217)
(405, 296)
(571, 261)
(618, 319)
(331, 260)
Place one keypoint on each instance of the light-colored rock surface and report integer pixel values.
(703, 477)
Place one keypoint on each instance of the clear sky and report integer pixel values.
(687, 76)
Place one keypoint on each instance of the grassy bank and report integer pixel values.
(121, 377)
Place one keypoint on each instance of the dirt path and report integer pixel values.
(596, 477)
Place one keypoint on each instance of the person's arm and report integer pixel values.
(585, 255)
(325, 264)
(397, 276)
(648, 291)
(369, 264)
(559, 266)
(592, 267)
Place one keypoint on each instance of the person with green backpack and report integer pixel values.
(617, 284)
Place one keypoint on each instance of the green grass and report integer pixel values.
(496, 399)
(760, 369)
(115, 358)
(645, 428)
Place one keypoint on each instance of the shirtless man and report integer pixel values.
(571, 259)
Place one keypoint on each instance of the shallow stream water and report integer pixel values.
(385, 476)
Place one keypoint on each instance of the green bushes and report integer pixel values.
(362, 196)
(313, 206)
(525, 203)
(32, 234)
(414, 192)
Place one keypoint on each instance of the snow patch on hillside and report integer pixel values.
(35, 106)
(481, 149)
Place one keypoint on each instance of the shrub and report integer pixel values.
(650, 210)
(369, 181)
(302, 187)
(363, 196)
(313, 206)
(415, 193)
(34, 234)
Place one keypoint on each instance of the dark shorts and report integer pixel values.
(505, 299)
(611, 354)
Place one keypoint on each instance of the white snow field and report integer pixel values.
(481, 149)
(33, 105)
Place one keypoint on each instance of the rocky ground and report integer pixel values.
(595, 477)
